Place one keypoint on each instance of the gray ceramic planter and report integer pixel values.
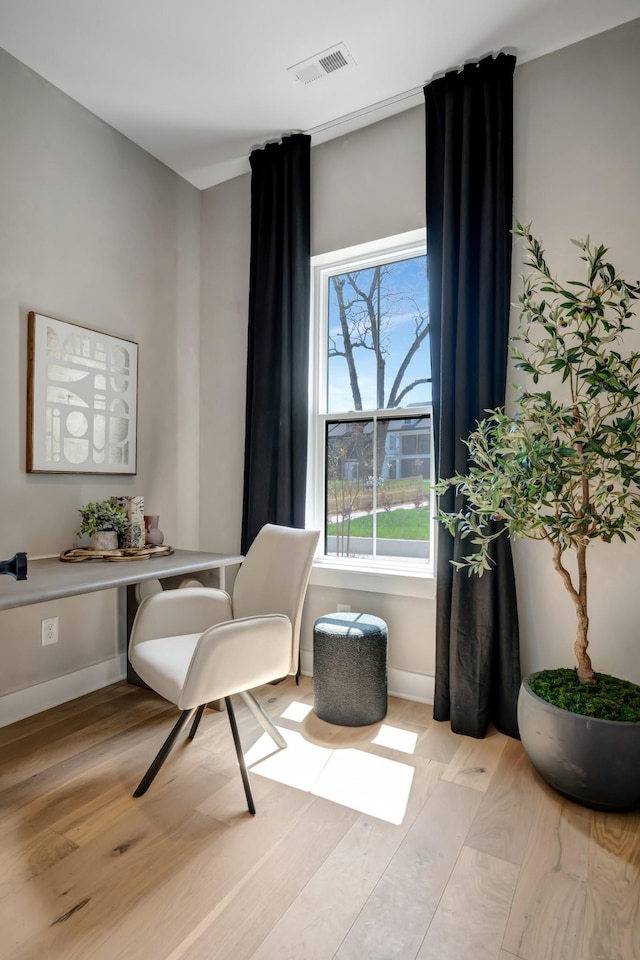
(594, 762)
(104, 540)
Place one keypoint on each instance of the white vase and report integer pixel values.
(104, 540)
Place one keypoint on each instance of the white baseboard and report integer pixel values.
(411, 686)
(401, 683)
(26, 703)
(42, 696)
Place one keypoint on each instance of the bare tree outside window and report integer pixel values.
(378, 331)
(378, 362)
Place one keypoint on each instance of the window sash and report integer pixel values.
(351, 494)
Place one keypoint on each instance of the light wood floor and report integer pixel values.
(484, 862)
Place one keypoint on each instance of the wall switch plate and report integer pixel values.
(343, 608)
(49, 631)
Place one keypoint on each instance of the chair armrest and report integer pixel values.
(179, 612)
(236, 656)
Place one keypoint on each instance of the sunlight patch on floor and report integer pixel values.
(297, 711)
(365, 782)
(362, 781)
(298, 766)
(397, 739)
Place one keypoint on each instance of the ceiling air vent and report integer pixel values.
(328, 61)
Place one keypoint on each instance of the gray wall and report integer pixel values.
(97, 232)
(369, 184)
(577, 173)
(226, 223)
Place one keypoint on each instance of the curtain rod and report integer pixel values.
(414, 93)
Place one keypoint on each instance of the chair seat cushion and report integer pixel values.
(163, 663)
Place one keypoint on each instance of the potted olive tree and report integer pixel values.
(102, 522)
(565, 469)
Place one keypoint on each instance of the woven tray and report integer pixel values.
(128, 553)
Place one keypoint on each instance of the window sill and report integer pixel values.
(395, 580)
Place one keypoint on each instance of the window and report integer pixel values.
(369, 487)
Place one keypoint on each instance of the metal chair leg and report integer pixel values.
(241, 763)
(262, 718)
(162, 754)
(196, 722)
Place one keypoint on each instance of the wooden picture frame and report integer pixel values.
(82, 399)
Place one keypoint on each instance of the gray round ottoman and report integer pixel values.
(350, 669)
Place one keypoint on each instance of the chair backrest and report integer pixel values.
(274, 575)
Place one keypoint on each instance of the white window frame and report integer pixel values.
(381, 574)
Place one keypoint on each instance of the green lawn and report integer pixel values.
(410, 524)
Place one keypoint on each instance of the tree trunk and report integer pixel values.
(579, 597)
(338, 286)
(585, 670)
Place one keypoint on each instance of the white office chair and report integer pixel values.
(196, 645)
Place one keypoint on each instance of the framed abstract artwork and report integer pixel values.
(82, 400)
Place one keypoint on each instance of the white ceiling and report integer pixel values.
(198, 83)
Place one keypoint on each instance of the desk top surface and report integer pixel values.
(50, 579)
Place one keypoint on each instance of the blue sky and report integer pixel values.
(404, 285)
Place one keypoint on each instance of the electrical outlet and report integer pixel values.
(49, 631)
(343, 608)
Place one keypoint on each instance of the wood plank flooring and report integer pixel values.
(400, 840)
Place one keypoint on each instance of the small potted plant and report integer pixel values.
(565, 470)
(102, 522)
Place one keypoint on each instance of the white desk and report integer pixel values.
(51, 579)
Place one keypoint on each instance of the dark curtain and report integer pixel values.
(469, 124)
(278, 348)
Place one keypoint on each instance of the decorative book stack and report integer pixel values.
(133, 537)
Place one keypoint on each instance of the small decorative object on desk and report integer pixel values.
(153, 535)
(104, 540)
(145, 553)
(133, 536)
(103, 523)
